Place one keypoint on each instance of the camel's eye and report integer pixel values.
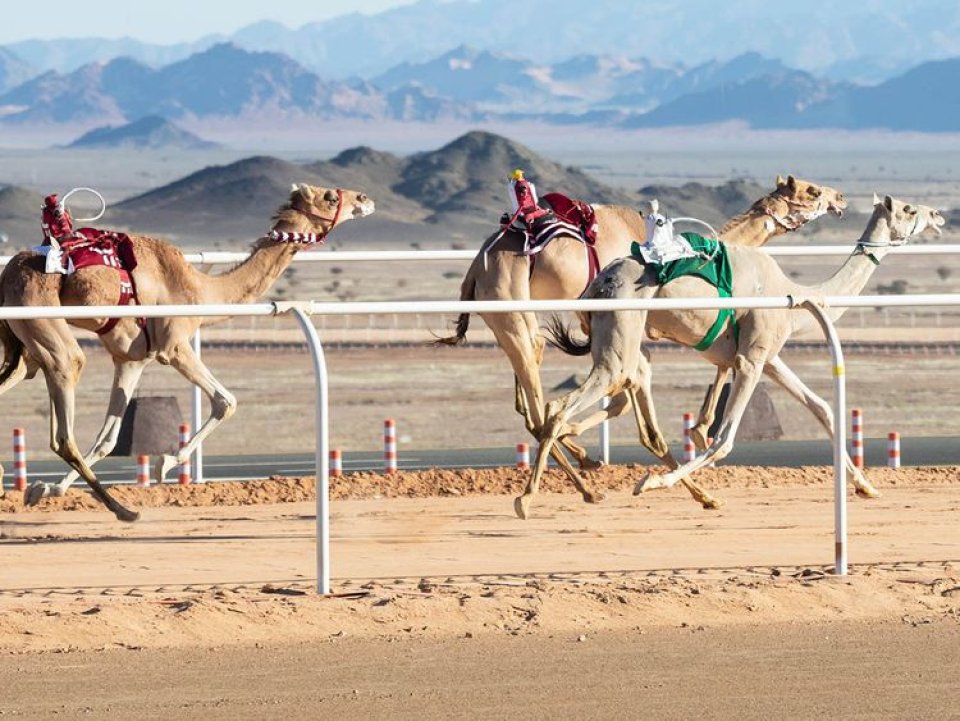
(660, 222)
(330, 196)
(909, 210)
(815, 192)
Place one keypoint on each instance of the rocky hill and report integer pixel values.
(149, 133)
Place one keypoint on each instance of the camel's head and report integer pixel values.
(808, 200)
(905, 220)
(328, 207)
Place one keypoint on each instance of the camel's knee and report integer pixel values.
(223, 405)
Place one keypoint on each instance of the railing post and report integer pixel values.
(605, 433)
(196, 403)
(322, 457)
(839, 437)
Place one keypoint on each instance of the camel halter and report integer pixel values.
(310, 238)
(796, 219)
(862, 244)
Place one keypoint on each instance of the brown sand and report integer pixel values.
(433, 560)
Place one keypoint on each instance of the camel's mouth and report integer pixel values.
(363, 210)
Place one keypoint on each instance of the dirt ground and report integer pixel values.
(447, 606)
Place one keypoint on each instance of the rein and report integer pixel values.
(309, 238)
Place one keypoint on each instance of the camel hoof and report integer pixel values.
(34, 492)
(868, 493)
(712, 504)
(593, 497)
(126, 515)
(647, 483)
(521, 506)
(589, 464)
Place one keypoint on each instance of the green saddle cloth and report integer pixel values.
(715, 270)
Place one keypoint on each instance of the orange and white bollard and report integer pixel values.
(389, 446)
(185, 470)
(689, 449)
(893, 449)
(143, 471)
(336, 463)
(19, 459)
(856, 437)
(523, 456)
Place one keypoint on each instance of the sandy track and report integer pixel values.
(450, 607)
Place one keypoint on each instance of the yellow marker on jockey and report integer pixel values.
(516, 174)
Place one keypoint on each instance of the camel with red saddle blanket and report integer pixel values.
(503, 271)
(161, 276)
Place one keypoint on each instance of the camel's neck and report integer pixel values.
(249, 280)
(756, 227)
(853, 276)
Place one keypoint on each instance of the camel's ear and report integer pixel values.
(888, 203)
(876, 199)
(791, 182)
(654, 206)
(780, 181)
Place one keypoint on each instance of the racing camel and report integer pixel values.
(619, 364)
(500, 271)
(162, 277)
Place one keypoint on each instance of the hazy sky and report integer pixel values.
(166, 21)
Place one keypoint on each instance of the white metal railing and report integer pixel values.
(302, 310)
(217, 257)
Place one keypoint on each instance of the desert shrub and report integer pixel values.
(897, 287)
(944, 272)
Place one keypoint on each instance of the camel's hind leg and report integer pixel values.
(518, 334)
(652, 439)
(782, 374)
(55, 350)
(222, 403)
(748, 371)
(126, 377)
(558, 412)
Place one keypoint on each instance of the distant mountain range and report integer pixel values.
(853, 41)
(470, 85)
(151, 132)
(454, 194)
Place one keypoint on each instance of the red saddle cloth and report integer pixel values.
(94, 247)
(576, 213)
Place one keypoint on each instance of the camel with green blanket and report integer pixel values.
(749, 342)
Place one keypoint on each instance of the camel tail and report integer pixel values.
(14, 367)
(467, 292)
(558, 335)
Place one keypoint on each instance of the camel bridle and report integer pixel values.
(799, 214)
(310, 238)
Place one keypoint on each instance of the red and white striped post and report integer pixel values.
(336, 463)
(185, 471)
(389, 446)
(523, 456)
(19, 459)
(856, 437)
(893, 449)
(689, 449)
(143, 471)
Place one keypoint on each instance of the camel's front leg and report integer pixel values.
(222, 404)
(554, 428)
(748, 372)
(782, 374)
(126, 378)
(708, 410)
